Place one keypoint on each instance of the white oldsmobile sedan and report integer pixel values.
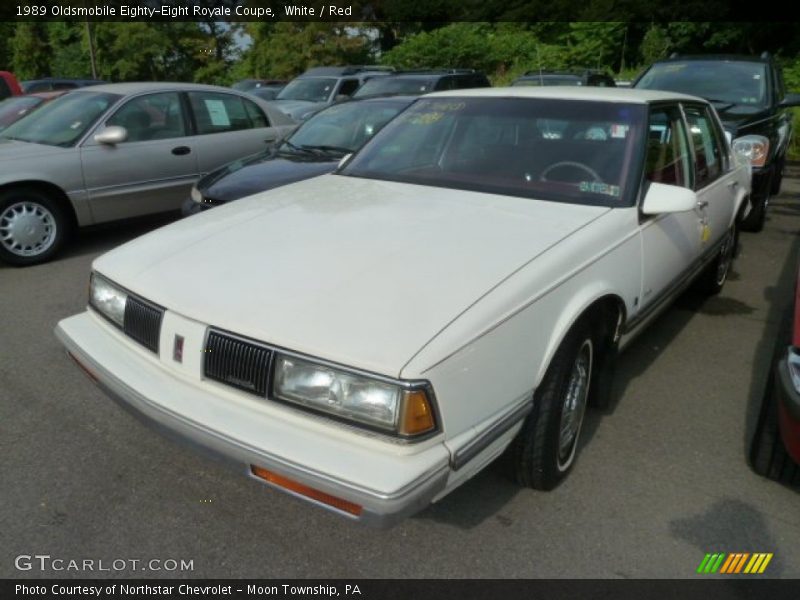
(370, 339)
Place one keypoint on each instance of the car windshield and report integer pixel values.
(311, 89)
(583, 152)
(344, 128)
(411, 86)
(548, 80)
(13, 109)
(721, 81)
(63, 121)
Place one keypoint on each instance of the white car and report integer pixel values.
(370, 339)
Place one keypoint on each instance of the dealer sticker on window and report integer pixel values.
(597, 187)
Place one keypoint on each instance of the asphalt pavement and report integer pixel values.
(661, 479)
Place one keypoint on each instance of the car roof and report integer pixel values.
(151, 86)
(716, 57)
(597, 94)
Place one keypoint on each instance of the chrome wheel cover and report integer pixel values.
(574, 405)
(725, 259)
(27, 229)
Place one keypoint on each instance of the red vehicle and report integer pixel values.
(14, 108)
(775, 452)
(9, 86)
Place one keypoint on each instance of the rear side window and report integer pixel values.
(256, 115)
(708, 152)
(219, 113)
(667, 148)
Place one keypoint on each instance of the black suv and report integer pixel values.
(751, 100)
(587, 77)
(414, 83)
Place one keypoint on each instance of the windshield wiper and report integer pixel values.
(324, 148)
(301, 149)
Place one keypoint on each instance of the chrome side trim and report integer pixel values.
(484, 440)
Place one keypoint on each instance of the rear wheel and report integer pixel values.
(32, 226)
(545, 448)
(714, 277)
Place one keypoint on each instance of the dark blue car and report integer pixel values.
(315, 148)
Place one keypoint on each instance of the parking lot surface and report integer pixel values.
(661, 479)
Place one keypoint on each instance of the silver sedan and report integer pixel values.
(116, 151)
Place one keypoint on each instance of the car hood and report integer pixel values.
(356, 271)
(262, 172)
(738, 118)
(11, 149)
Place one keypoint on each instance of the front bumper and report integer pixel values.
(788, 410)
(228, 429)
(762, 182)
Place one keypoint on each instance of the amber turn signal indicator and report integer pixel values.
(417, 414)
(304, 490)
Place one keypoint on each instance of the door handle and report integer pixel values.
(701, 204)
(733, 184)
(181, 150)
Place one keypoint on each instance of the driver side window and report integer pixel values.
(667, 148)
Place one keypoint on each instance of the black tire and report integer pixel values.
(754, 222)
(768, 456)
(713, 278)
(33, 226)
(538, 460)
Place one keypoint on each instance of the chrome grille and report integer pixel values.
(236, 362)
(142, 322)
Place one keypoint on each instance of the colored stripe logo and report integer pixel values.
(735, 563)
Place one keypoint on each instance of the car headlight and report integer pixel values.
(107, 298)
(370, 401)
(196, 195)
(754, 148)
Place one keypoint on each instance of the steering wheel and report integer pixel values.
(575, 165)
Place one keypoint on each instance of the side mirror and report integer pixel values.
(662, 198)
(112, 135)
(790, 100)
(344, 160)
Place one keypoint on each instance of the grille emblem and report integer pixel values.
(177, 349)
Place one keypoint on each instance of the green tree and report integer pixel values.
(655, 45)
(286, 49)
(30, 51)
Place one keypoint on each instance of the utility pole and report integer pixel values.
(91, 49)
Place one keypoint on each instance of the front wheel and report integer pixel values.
(32, 226)
(545, 448)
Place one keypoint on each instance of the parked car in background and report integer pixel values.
(322, 86)
(750, 97)
(9, 86)
(415, 83)
(316, 147)
(248, 85)
(775, 449)
(13, 109)
(267, 92)
(585, 77)
(50, 84)
(118, 150)
(371, 339)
